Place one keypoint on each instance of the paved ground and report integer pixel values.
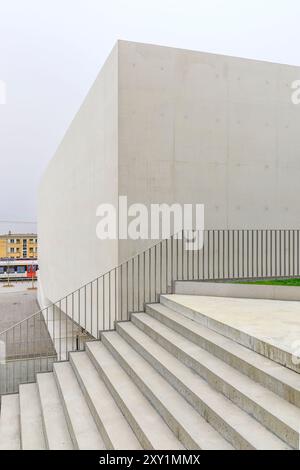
(16, 303)
(31, 337)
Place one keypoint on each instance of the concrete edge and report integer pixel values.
(227, 289)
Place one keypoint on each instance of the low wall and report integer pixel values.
(227, 289)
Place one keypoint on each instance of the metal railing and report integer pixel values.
(32, 345)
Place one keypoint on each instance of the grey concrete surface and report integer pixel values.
(228, 289)
(269, 327)
(16, 304)
(28, 338)
(163, 381)
(165, 125)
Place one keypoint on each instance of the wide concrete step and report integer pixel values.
(193, 431)
(10, 423)
(81, 425)
(148, 426)
(115, 430)
(280, 380)
(32, 433)
(235, 425)
(268, 327)
(275, 413)
(56, 431)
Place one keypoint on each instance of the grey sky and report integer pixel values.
(52, 50)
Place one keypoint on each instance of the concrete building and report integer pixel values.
(18, 245)
(165, 125)
(197, 369)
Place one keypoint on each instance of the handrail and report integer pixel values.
(81, 287)
(33, 344)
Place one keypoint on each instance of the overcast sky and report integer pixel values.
(52, 50)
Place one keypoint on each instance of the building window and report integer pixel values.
(20, 269)
(2, 270)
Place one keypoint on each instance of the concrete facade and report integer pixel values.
(164, 125)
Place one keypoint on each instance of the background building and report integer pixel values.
(165, 125)
(18, 245)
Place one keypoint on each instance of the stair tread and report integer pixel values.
(10, 423)
(117, 429)
(277, 406)
(244, 321)
(202, 433)
(256, 434)
(148, 419)
(82, 426)
(32, 433)
(262, 363)
(56, 430)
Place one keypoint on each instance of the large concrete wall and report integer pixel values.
(82, 174)
(223, 131)
(170, 125)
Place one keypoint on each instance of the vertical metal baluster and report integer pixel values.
(97, 307)
(121, 293)
(228, 254)
(285, 260)
(188, 257)
(116, 300)
(208, 255)
(262, 252)
(103, 303)
(34, 345)
(150, 274)
(160, 268)
(127, 293)
(66, 327)
(72, 321)
(248, 254)
(298, 254)
(15, 354)
(289, 251)
(47, 338)
(182, 255)
(109, 301)
(276, 253)
(133, 282)
(267, 250)
(144, 262)
(91, 310)
(213, 253)
(27, 349)
(59, 330)
(233, 253)
(138, 282)
(85, 307)
(79, 310)
(238, 252)
(280, 253)
(271, 253)
(167, 266)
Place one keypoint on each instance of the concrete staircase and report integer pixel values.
(160, 381)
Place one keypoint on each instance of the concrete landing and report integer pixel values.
(269, 327)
